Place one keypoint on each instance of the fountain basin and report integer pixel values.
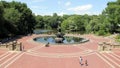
(67, 40)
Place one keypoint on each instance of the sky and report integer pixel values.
(48, 7)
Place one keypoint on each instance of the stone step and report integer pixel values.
(9, 60)
(6, 57)
(116, 50)
(110, 60)
(106, 60)
(116, 55)
(3, 55)
(114, 58)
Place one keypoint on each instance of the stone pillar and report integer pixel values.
(10, 46)
(19, 47)
(13, 45)
(101, 47)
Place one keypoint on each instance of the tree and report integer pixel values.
(39, 22)
(46, 20)
(94, 25)
(54, 21)
(2, 28)
(112, 11)
(12, 17)
(18, 18)
(73, 23)
(26, 19)
(64, 17)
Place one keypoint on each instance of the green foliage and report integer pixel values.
(101, 32)
(117, 38)
(94, 25)
(39, 22)
(112, 11)
(12, 16)
(54, 21)
(17, 18)
(46, 20)
(64, 17)
(1, 9)
(3, 30)
(73, 23)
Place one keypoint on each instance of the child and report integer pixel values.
(86, 63)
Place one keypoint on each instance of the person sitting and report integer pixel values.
(47, 45)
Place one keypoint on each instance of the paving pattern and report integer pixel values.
(36, 55)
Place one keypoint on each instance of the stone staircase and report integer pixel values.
(116, 50)
(7, 58)
(111, 58)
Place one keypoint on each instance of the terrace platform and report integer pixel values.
(36, 55)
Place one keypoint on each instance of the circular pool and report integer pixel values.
(67, 40)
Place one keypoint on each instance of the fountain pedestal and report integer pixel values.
(59, 36)
(59, 40)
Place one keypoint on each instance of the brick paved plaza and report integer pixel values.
(36, 55)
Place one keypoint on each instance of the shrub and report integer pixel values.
(117, 38)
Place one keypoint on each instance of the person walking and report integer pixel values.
(86, 62)
(80, 60)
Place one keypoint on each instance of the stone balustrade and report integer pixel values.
(106, 46)
(13, 46)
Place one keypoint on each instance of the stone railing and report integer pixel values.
(14, 46)
(104, 46)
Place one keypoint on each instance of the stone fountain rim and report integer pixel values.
(86, 40)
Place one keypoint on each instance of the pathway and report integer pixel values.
(36, 55)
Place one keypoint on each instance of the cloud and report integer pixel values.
(81, 8)
(67, 3)
(88, 12)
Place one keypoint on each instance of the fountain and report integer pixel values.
(59, 36)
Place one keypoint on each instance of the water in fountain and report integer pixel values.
(60, 38)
